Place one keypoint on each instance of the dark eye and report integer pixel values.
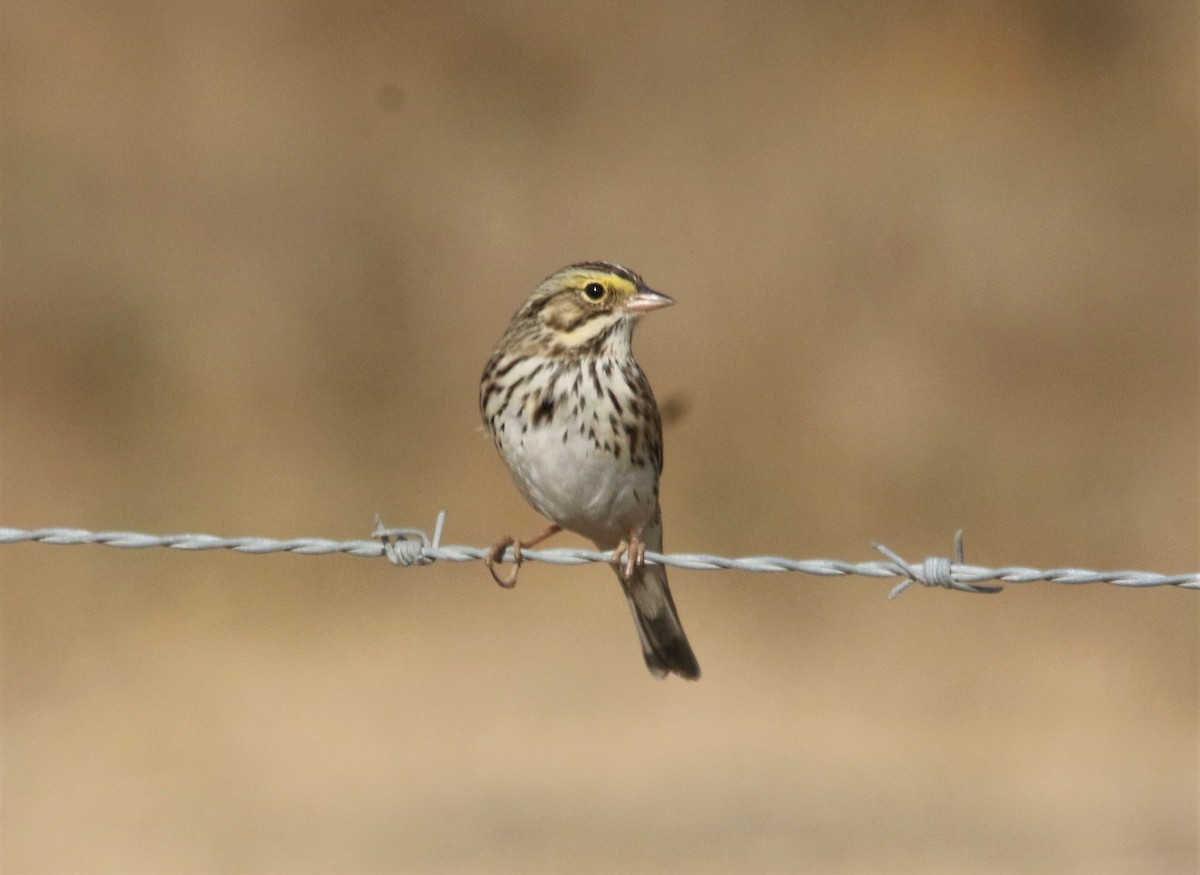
(594, 291)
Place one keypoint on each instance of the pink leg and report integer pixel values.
(629, 556)
(497, 555)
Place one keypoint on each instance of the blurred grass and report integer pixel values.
(936, 266)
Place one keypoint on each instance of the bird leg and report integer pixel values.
(629, 556)
(497, 554)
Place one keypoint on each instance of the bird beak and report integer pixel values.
(646, 300)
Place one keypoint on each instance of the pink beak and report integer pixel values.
(648, 299)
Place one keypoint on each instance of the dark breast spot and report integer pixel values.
(512, 387)
(633, 435)
(544, 411)
(612, 396)
(497, 372)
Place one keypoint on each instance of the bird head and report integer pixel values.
(589, 307)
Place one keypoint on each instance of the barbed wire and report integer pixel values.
(407, 547)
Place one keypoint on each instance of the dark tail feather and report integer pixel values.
(664, 645)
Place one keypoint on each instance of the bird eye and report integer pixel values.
(593, 291)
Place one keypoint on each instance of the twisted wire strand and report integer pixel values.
(407, 547)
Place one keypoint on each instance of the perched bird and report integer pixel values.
(574, 419)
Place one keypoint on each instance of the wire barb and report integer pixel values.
(934, 571)
(408, 547)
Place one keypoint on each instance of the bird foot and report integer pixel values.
(497, 555)
(629, 557)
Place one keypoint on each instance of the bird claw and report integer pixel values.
(497, 555)
(629, 557)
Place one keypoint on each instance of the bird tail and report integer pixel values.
(664, 644)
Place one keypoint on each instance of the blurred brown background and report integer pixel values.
(936, 266)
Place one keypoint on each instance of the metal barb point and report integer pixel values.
(406, 547)
(934, 571)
